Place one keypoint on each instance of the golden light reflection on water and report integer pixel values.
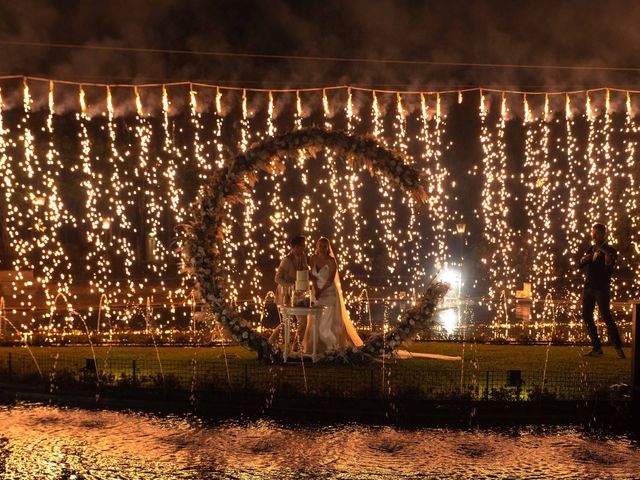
(39, 442)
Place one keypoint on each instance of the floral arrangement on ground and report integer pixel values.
(200, 243)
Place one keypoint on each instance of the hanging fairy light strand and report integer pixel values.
(57, 267)
(345, 188)
(308, 210)
(385, 208)
(119, 198)
(630, 198)
(574, 213)
(15, 219)
(537, 180)
(202, 162)
(251, 248)
(431, 131)
(231, 227)
(495, 210)
(281, 215)
(384, 211)
(28, 165)
(405, 244)
(148, 181)
(170, 172)
(96, 222)
(355, 249)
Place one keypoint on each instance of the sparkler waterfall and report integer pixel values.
(92, 196)
(498, 232)
(539, 202)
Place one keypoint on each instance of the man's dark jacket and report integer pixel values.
(597, 273)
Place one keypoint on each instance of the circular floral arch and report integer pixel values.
(201, 239)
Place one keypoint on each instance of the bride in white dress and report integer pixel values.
(335, 329)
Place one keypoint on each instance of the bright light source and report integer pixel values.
(449, 320)
(460, 228)
(40, 201)
(451, 276)
(106, 223)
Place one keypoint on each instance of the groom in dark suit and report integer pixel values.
(597, 263)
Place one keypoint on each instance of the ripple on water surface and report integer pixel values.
(40, 442)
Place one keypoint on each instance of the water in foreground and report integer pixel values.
(41, 442)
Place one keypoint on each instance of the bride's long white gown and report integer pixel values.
(335, 329)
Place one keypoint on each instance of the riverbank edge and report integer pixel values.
(619, 415)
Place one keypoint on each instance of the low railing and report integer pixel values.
(68, 373)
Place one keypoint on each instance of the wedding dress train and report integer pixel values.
(335, 328)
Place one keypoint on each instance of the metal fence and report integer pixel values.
(62, 372)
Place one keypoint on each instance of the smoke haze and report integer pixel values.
(543, 32)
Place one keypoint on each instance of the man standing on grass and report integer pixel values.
(295, 260)
(598, 263)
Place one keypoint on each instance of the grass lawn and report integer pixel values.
(527, 357)
(482, 375)
(481, 357)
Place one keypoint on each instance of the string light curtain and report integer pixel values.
(94, 200)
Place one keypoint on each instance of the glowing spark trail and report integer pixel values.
(538, 204)
(495, 211)
(431, 136)
(630, 200)
(97, 222)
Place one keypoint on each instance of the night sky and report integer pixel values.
(584, 33)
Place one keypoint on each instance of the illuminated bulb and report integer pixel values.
(349, 111)
(138, 101)
(51, 96)
(83, 105)
(165, 100)
(218, 101)
(527, 112)
(546, 106)
(298, 104)
(192, 97)
(325, 103)
(423, 106)
(271, 127)
(244, 123)
(109, 102)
